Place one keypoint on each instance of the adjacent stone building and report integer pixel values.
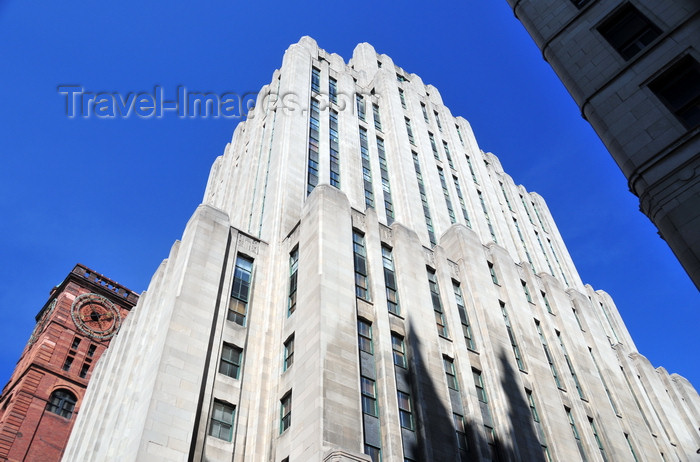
(74, 327)
(632, 67)
(362, 282)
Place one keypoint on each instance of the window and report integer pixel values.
(612, 328)
(314, 137)
(424, 199)
(485, 413)
(548, 354)
(511, 336)
(605, 385)
(361, 272)
(242, 277)
(91, 350)
(377, 119)
(405, 411)
(580, 3)
(437, 303)
(551, 247)
(679, 89)
(462, 204)
(425, 112)
(628, 31)
(285, 412)
(505, 196)
(471, 170)
(75, 344)
(494, 278)
(527, 254)
(460, 431)
(546, 258)
(577, 435)
(84, 370)
(403, 98)
(293, 268)
(369, 397)
(401, 78)
(466, 326)
(315, 80)
(221, 424)
(230, 363)
(570, 365)
(334, 147)
(459, 133)
(67, 363)
(538, 425)
(597, 439)
(546, 302)
(446, 193)
(522, 200)
(486, 215)
(409, 131)
(433, 146)
(364, 336)
(62, 402)
(446, 148)
(373, 452)
(526, 291)
(288, 352)
(399, 350)
(360, 103)
(437, 120)
(333, 90)
(450, 373)
(392, 295)
(386, 187)
(629, 443)
(366, 168)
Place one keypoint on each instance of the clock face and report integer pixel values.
(41, 324)
(96, 316)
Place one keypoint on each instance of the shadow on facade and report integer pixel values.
(435, 436)
(434, 426)
(523, 443)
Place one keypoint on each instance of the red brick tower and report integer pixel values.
(38, 406)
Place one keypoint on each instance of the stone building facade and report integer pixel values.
(40, 401)
(362, 282)
(632, 67)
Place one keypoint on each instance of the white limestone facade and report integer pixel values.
(328, 302)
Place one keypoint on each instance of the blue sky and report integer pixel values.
(115, 194)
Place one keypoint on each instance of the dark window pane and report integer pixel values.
(629, 31)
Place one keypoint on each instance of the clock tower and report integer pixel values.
(38, 406)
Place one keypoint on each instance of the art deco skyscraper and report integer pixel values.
(362, 282)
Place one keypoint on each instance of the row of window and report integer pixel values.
(223, 415)
(231, 360)
(391, 287)
(629, 32)
(441, 174)
(406, 416)
(313, 176)
(70, 358)
(367, 176)
(231, 356)
(241, 287)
